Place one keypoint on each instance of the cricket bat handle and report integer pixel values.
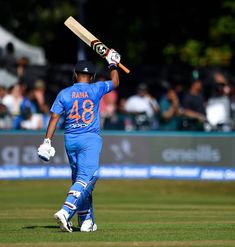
(125, 69)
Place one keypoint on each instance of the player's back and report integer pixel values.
(80, 104)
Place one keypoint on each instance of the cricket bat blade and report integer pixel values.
(90, 39)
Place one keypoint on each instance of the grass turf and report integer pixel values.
(128, 213)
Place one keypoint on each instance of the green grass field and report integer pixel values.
(128, 213)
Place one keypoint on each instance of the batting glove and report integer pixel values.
(113, 58)
(45, 150)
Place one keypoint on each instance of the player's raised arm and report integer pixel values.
(113, 58)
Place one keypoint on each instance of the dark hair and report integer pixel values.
(142, 86)
(10, 47)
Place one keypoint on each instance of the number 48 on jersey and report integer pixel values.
(86, 114)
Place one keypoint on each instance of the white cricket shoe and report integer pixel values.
(61, 217)
(70, 223)
(88, 226)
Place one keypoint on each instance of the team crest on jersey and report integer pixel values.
(99, 48)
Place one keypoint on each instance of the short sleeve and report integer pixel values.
(104, 87)
(58, 106)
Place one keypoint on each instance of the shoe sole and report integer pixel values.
(61, 221)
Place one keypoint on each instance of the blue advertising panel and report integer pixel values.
(138, 155)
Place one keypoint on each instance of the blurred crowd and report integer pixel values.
(23, 104)
(204, 104)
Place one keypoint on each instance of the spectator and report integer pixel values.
(5, 119)
(8, 60)
(26, 107)
(2, 93)
(108, 107)
(31, 121)
(41, 101)
(40, 96)
(143, 108)
(170, 109)
(219, 104)
(21, 66)
(180, 91)
(12, 100)
(232, 98)
(194, 108)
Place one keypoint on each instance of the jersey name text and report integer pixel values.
(76, 95)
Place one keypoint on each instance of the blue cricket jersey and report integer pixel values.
(80, 104)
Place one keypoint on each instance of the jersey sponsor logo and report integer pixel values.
(77, 125)
(76, 95)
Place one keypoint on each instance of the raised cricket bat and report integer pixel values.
(90, 39)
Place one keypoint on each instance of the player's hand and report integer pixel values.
(45, 150)
(113, 57)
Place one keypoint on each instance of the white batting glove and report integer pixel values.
(45, 150)
(113, 58)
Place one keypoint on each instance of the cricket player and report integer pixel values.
(80, 104)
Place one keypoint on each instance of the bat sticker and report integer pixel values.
(99, 48)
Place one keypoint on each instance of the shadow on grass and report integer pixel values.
(48, 227)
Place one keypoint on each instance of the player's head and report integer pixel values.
(84, 70)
